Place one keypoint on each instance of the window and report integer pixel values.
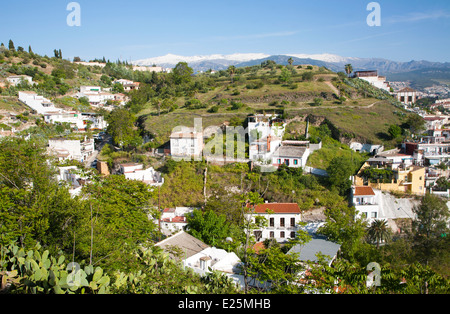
(272, 222)
(364, 215)
(282, 234)
(295, 161)
(292, 222)
(374, 215)
(293, 234)
(281, 222)
(272, 234)
(279, 161)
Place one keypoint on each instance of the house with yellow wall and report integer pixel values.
(404, 178)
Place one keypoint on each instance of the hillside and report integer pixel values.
(297, 91)
(347, 105)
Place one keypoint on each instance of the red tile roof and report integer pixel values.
(278, 208)
(363, 190)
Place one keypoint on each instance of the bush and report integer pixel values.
(193, 104)
(214, 109)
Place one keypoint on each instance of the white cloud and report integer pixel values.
(416, 17)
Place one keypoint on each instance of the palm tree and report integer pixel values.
(378, 232)
(231, 71)
(348, 69)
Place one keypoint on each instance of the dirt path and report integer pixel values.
(333, 88)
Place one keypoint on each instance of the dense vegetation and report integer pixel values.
(106, 229)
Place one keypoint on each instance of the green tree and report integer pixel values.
(182, 73)
(122, 129)
(348, 69)
(395, 131)
(285, 75)
(428, 228)
(115, 220)
(231, 70)
(339, 172)
(11, 45)
(290, 61)
(378, 232)
(415, 123)
(209, 227)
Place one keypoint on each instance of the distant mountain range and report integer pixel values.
(422, 73)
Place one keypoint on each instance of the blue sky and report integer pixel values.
(137, 29)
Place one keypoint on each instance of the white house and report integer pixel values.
(282, 218)
(174, 219)
(263, 149)
(407, 96)
(186, 143)
(95, 95)
(69, 174)
(198, 256)
(367, 202)
(366, 148)
(65, 149)
(374, 79)
(134, 171)
(37, 103)
(128, 85)
(78, 120)
(214, 259)
(265, 134)
(14, 80)
(293, 154)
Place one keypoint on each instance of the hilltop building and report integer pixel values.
(373, 78)
(15, 80)
(407, 96)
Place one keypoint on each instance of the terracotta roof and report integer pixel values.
(406, 89)
(278, 208)
(363, 190)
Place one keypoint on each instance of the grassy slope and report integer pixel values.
(368, 119)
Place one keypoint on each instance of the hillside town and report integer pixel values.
(279, 177)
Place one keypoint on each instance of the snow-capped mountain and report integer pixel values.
(171, 59)
(326, 57)
(331, 61)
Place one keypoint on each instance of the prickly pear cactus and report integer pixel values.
(35, 272)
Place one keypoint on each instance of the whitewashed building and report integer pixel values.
(367, 202)
(70, 175)
(135, 171)
(265, 133)
(65, 149)
(374, 79)
(38, 103)
(282, 218)
(407, 96)
(293, 154)
(77, 120)
(186, 143)
(174, 219)
(14, 80)
(95, 95)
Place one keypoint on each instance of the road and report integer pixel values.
(107, 139)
